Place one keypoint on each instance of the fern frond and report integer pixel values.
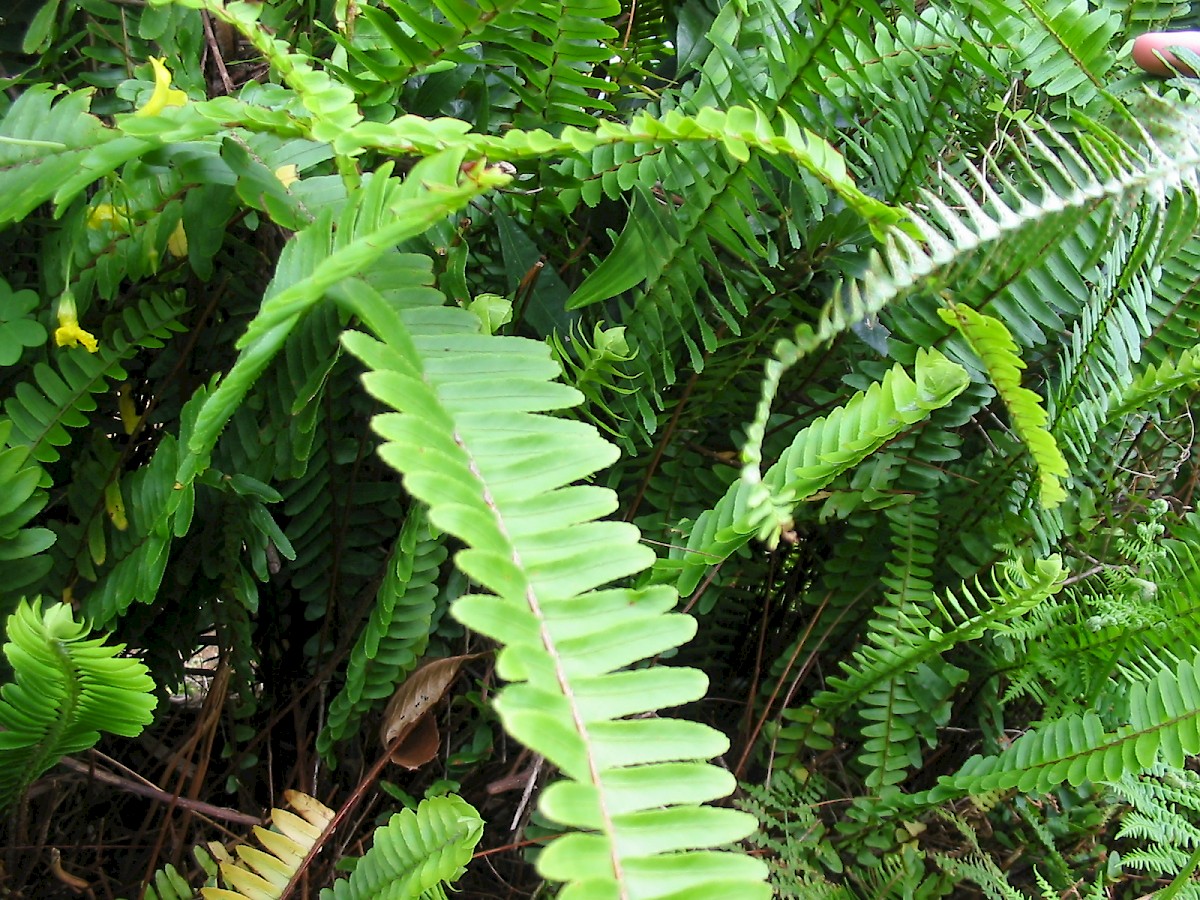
(263, 874)
(20, 500)
(473, 442)
(319, 257)
(1008, 233)
(59, 397)
(918, 636)
(562, 87)
(418, 36)
(395, 638)
(1065, 44)
(45, 138)
(818, 454)
(416, 851)
(67, 688)
(1156, 383)
(1163, 724)
(994, 345)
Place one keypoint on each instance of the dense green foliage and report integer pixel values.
(790, 393)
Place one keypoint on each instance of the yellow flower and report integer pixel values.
(177, 242)
(107, 214)
(288, 175)
(69, 334)
(164, 95)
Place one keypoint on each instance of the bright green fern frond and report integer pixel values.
(819, 453)
(67, 688)
(917, 637)
(416, 851)
(994, 345)
(1064, 44)
(1157, 383)
(1163, 724)
(473, 441)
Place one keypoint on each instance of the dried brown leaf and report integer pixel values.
(407, 717)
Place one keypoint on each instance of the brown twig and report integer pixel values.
(199, 807)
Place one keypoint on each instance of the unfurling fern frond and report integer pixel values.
(595, 368)
(67, 688)
(415, 853)
(993, 344)
(472, 440)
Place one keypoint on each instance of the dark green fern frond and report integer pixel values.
(21, 544)
(61, 396)
(397, 633)
(918, 636)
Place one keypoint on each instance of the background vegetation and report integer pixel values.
(750, 443)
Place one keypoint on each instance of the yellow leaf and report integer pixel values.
(114, 504)
(107, 214)
(130, 418)
(177, 243)
(288, 175)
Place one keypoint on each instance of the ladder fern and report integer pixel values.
(1163, 725)
(66, 689)
(473, 441)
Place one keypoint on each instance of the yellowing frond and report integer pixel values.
(994, 345)
(262, 874)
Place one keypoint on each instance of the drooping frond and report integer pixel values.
(993, 344)
(474, 442)
(324, 254)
